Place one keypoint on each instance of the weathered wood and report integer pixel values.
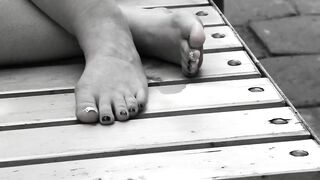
(62, 78)
(154, 134)
(207, 14)
(225, 39)
(260, 161)
(162, 3)
(163, 101)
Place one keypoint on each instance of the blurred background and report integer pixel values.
(285, 36)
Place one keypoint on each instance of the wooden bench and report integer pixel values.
(230, 122)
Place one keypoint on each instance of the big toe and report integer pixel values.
(197, 35)
(86, 108)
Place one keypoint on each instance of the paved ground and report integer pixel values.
(285, 36)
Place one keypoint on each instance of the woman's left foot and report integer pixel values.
(176, 37)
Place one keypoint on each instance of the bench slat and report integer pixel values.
(162, 3)
(62, 78)
(163, 101)
(259, 161)
(154, 134)
(227, 42)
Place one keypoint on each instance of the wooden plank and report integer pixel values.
(215, 67)
(155, 134)
(224, 40)
(209, 15)
(62, 78)
(259, 161)
(162, 3)
(163, 101)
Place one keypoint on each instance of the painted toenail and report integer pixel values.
(140, 106)
(189, 68)
(90, 109)
(106, 119)
(123, 113)
(192, 56)
(131, 110)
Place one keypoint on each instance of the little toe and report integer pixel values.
(106, 116)
(86, 109)
(120, 108)
(142, 98)
(132, 105)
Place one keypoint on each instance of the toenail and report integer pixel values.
(131, 110)
(140, 106)
(189, 68)
(202, 13)
(90, 109)
(218, 35)
(123, 113)
(192, 56)
(106, 119)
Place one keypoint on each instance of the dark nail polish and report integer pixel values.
(189, 68)
(131, 110)
(123, 113)
(106, 119)
(140, 106)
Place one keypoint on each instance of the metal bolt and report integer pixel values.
(279, 121)
(256, 89)
(234, 62)
(299, 153)
(202, 13)
(218, 35)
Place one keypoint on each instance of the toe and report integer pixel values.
(142, 98)
(132, 105)
(197, 36)
(120, 108)
(86, 109)
(192, 29)
(190, 59)
(106, 116)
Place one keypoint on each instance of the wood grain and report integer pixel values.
(155, 134)
(163, 101)
(259, 161)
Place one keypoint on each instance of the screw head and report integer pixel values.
(218, 35)
(279, 121)
(256, 89)
(234, 62)
(202, 13)
(299, 153)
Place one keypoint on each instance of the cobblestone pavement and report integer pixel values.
(285, 36)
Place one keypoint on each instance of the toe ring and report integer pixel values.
(89, 109)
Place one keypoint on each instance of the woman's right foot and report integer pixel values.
(113, 85)
(176, 37)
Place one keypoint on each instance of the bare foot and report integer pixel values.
(176, 37)
(113, 85)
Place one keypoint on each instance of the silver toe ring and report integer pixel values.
(88, 109)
